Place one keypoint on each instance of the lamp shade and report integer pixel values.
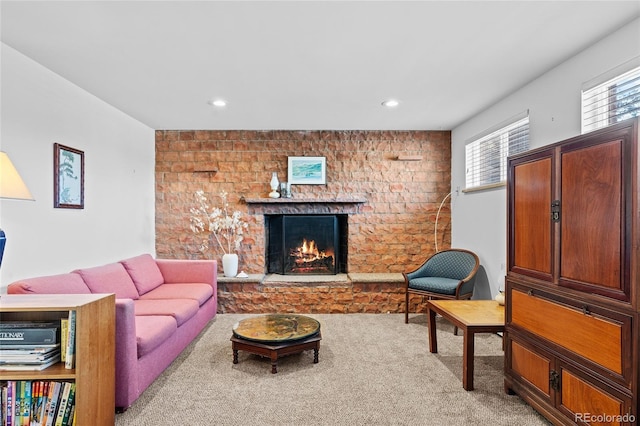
(11, 184)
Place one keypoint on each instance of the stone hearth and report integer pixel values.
(341, 293)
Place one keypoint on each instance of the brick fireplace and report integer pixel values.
(306, 244)
(388, 183)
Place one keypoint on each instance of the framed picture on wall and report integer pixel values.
(307, 170)
(68, 177)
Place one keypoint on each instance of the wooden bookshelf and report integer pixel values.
(94, 372)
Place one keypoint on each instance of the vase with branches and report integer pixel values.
(218, 225)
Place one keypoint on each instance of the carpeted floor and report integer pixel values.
(373, 370)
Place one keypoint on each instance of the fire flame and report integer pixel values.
(309, 252)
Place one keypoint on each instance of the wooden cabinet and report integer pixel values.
(572, 297)
(94, 372)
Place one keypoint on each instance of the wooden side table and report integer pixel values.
(472, 316)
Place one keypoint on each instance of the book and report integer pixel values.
(28, 332)
(70, 404)
(29, 358)
(64, 335)
(35, 394)
(28, 350)
(25, 405)
(11, 389)
(3, 410)
(17, 403)
(30, 367)
(64, 400)
(53, 408)
(44, 392)
(71, 341)
(37, 401)
(20, 347)
(47, 406)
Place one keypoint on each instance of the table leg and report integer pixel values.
(235, 356)
(433, 342)
(467, 359)
(315, 354)
(274, 362)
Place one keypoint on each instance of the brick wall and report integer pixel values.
(392, 232)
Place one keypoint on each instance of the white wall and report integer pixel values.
(553, 101)
(39, 108)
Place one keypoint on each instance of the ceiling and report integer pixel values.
(305, 65)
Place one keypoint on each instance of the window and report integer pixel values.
(486, 156)
(610, 102)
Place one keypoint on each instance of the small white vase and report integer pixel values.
(274, 186)
(500, 298)
(230, 264)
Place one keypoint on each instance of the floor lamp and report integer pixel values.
(11, 187)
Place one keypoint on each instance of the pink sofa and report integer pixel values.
(161, 306)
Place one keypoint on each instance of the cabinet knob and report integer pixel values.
(585, 310)
(530, 292)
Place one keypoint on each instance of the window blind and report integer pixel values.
(615, 100)
(486, 157)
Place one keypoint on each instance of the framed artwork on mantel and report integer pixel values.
(307, 170)
(68, 177)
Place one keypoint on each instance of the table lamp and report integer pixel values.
(11, 187)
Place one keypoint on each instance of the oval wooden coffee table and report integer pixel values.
(276, 335)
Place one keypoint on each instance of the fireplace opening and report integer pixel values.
(306, 244)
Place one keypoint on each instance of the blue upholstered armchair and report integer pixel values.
(448, 274)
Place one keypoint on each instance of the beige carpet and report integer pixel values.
(373, 370)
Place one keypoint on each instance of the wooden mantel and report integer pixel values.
(335, 205)
(292, 200)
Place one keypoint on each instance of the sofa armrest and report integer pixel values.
(126, 353)
(176, 271)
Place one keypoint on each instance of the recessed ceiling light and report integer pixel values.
(218, 103)
(391, 103)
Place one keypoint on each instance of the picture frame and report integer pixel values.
(68, 177)
(307, 170)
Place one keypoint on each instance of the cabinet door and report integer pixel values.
(596, 215)
(599, 337)
(530, 225)
(586, 401)
(530, 366)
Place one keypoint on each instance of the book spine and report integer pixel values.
(64, 335)
(36, 410)
(43, 403)
(55, 397)
(70, 404)
(11, 389)
(71, 341)
(47, 404)
(35, 399)
(64, 399)
(17, 413)
(3, 408)
(26, 404)
(31, 336)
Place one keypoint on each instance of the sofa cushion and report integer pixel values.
(153, 330)
(180, 309)
(144, 272)
(196, 291)
(52, 284)
(110, 278)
